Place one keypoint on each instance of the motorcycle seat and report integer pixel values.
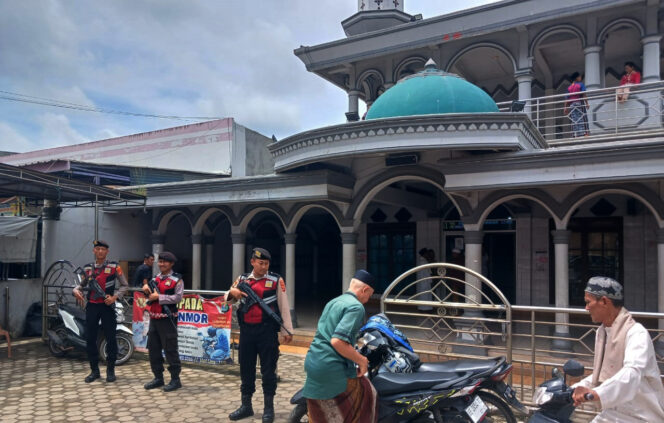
(74, 311)
(388, 383)
(468, 365)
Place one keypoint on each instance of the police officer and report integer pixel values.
(259, 333)
(163, 333)
(108, 275)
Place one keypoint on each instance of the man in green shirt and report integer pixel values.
(335, 389)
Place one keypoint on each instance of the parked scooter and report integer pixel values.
(554, 397)
(410, 391)
(68, 333)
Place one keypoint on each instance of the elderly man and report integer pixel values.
(336, 391)
(625, 381)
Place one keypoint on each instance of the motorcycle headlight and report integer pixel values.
(542, 396)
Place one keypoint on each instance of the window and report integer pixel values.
(391, 251)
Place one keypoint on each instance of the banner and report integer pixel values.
(204, 328)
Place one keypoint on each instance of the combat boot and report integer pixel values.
(173, 384)
(94, 374)
(110, 373)
(155, 383)
(268, 409)
(245, 409)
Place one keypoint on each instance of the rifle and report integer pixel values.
(94, 285)
(252, 298)
(152, 284)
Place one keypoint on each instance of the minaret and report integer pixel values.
(374, 15)
(367, 5)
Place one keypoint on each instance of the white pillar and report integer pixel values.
(158, 241)
(561, 246)
(525, 80)
(50, 214)
(349, 241)
(209, 261)
(196, 256)
(353, 107)
(238, 254)
(473, 247)
(289, 239)
(593, 71)
(651, 58)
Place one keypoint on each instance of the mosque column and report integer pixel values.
(473, 246)
(209, 261)
(50, 214)
(593, 71)
(651, 58)
(196, 256)
(158, 241)
(238, 240)
(349, 242)
(289, 277)
(353, 106)
(561, 249)
(524, 79)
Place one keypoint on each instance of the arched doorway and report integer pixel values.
(265, 230)
(178, 241)
(318, 263)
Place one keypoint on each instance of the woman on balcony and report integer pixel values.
(576, 106)
(630, 77)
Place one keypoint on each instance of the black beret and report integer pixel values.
(100, 243)
(261, 254)
(366, 277)
(166, 256)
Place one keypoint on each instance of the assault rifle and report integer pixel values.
(94, 285)
(252, 298)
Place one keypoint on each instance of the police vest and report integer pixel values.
(266, 289)
(166, 286)
(106, 276)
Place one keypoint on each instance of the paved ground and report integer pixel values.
(37, 387)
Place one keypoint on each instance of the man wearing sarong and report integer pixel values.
(625, 382)
(336, 391)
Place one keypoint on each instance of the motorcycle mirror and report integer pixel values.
(573, 368)
(555, 372)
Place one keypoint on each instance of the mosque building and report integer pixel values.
(467, 148)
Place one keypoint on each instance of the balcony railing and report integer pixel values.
(624, 112)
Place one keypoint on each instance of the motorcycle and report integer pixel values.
(554, 397)
(68, 333)
(411, 391)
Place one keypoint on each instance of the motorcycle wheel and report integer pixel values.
(298, 414)
(499, 411)
(125, 348)
(58, 350)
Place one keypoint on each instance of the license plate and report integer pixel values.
(476, 410)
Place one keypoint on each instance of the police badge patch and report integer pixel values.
(268, 284)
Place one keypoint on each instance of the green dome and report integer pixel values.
(431, 92)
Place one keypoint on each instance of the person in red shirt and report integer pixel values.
(630, 77)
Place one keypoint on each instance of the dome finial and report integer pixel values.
(430, 64)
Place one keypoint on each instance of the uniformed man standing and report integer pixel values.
(259, 333)
(108, 275)
(163, 333)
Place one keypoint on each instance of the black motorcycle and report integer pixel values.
(554, 397)
(410, 391)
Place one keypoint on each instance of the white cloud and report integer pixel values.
(193, 58)
(12, 141)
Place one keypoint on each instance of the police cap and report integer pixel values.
(100, 243)
(167, 256)
(261, 254)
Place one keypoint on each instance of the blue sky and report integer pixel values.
(225, 58)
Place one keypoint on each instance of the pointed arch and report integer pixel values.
(165, 217)
(471, 47)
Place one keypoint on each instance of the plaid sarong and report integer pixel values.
(357, 404)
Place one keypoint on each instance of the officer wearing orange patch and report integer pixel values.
(108, 275)
(259, 333)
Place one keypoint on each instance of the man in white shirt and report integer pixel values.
(626, 381)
